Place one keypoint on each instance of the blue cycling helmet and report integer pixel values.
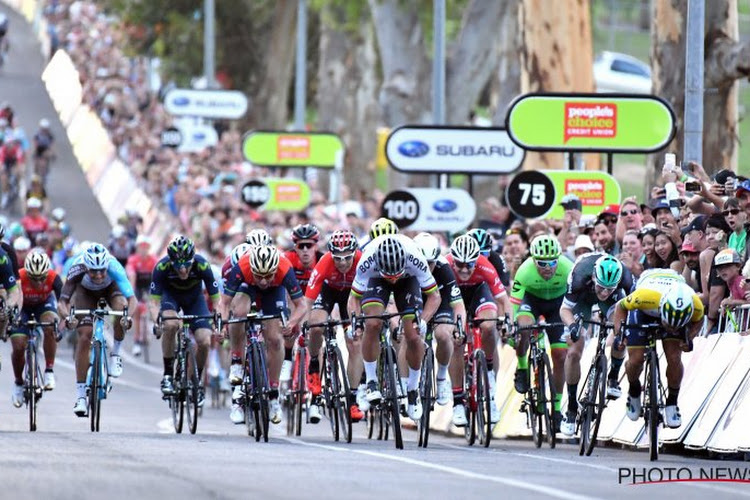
(96, 257)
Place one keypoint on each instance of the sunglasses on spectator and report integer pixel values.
(343, 258)
(628, 212)
(733, 211)
(546, 263)
(465, 265)
(305, 246)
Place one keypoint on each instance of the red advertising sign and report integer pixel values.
(590, 191)
(288, 192)
(293, 147)
(593, 120)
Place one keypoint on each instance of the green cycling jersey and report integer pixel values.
(528, 280)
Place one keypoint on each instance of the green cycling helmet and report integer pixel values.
(382, 226)
(607, 271)
(545, 247)
(483, 238)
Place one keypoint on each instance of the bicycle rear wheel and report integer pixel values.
(391, 398)
(598, 404)
(341, 392)
(585, 407)
(32, 383)
(547, 400)
(299, 390)
(94, 383)
(329, 395)
(176, 399)
(652, 409)
(484, 422)
(427, 395)
(191, 389)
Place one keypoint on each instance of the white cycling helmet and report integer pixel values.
(96, 257)
(44, 123)
(264, 260)
(390, 256)
(676, 306)
(37, 263)
(465, 249)
(238, 252)
(429, 245)
(257, 237)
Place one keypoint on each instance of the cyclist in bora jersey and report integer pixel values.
(599, 279)
(329, 286)
(661, 295)
(538, 290)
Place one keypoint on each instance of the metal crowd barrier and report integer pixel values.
(735, 318)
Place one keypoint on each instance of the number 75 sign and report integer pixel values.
(533, 194)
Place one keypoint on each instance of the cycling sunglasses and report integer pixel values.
(608, 289)
(343, 258)
(182, 264)
(261, 277)
(305, 246)
(546, 263)
(465, 265)
(391, 277)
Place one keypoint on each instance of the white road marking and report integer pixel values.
(552, 492)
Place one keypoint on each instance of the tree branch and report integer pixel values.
(726, 59)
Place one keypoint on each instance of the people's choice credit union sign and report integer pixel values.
(430, 209)
(591, 122)
(292, 149)
(231, 104)
(290, 195)
(439, 149)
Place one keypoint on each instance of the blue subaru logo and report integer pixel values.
(445, 206)
(181, 101)
(413, 149)
(199, 136)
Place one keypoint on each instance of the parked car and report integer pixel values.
(615, 72)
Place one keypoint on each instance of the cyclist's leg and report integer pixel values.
(117, 302)
(484, 307)
(551, 311)
(48, 314)
(524, 317)
(273, 301)
(201, 328)
(83, 299)
(374, 299)
(673, 354)
(408, 298)
(239, 307)
(168, 309)
(315, 342)
(18, 340)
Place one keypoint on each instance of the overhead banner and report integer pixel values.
(591, 122)
(292, 149)
(289, 195)
(231, 104)
(430, 209)
(440, 149)
(534, 193)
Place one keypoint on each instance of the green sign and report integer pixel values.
(289, 195)
(291, 149)
(595, 189)
(591, 122)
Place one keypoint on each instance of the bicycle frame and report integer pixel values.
(33, 375)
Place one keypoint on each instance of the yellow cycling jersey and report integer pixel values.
(649, 290)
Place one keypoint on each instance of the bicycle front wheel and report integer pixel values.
(191, 389)
(547, 399)
(652, 409)
(585, 407)
(176, 399)
(260, 392)
(299, 390)
(32, 384)
(598, 404)
(392, 399)
(470, 430)
(341, 396)
(484, 421)
(427, 395)
(94, 383)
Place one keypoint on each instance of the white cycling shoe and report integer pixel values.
(237, 415)
(80, 408)
(494, 412)
(568, 425)
(314, 414)
(49, 381)
(414, 406)
(235, 374)
(633, 408)
(17, 396)
(115, 365)
(274, 411)
(444, 392)
(459, 416)
(672, 416)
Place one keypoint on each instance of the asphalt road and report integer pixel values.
(138, 455)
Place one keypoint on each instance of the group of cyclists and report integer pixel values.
(429, 286)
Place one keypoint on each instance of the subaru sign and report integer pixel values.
(430, 209)
(196, 137)
(442, 149)
(231, 104)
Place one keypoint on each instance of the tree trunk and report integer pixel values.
(506, 85)
(644, 15)
(268, 109)
(726, 60)
(347, 92)
(556, 56)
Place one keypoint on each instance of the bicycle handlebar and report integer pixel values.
(538, 326)
(326, 324)
(254, 317)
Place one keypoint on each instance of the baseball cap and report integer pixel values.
(583, 241)
(688, 247)
(658, 203)
(743, 186)
(571, 202)
(727, 256)
(697, 224)
(613, 209)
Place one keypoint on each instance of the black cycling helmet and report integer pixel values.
(181, 249)
(305, 232)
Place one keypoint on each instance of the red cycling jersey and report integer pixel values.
(36, 293)
(325, 272)
(484, 272)
(284, 276)
(301, 272)
(11, 155)
(141, 266)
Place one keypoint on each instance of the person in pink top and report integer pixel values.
(34, 222)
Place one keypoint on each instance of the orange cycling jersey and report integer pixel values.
(36, 292)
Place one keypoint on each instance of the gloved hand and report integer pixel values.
(422, 327)
(573, 331)
(157, 331)
(126, 323)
